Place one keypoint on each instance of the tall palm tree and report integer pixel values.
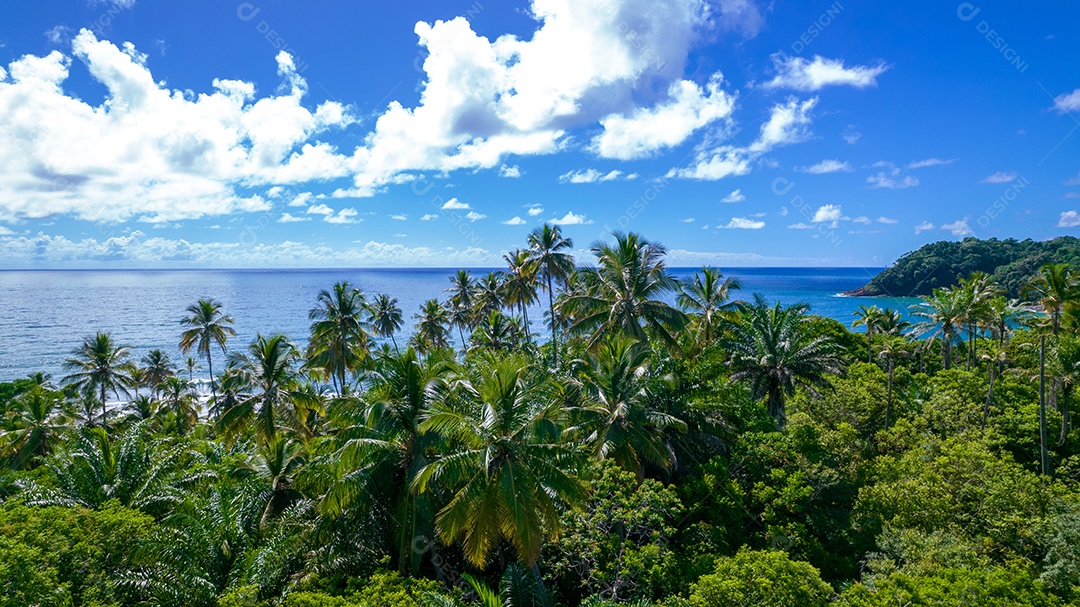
(944, 311)
(870, 317)
(382, 448)
(158, 368)
(1002, 316)
(384, 317)
(1055, 287)
(462, 289)
(519, 287)
(549, 249)
(98, 365)
(36, 423)
(339, 339)
(489, 296)
(270, 363)
(619, 422)
(979, 289)
(773, 349)
(432, 327)
(496, 332)
(273, 469)
(178, 397)
(509, 472)
(891, 322)
(191, 365)
(207, 326)
(892, 347)
(708, 294)
(624, 294)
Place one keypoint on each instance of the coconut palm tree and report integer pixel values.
(384, 317)
(619, 421)
(497, 332)
(98, 365)
(979, 289)
(944, 311)
(339, 339)
(509, 472)
(891, 348)
(519, 285)
(772, 349)
(179, 398)
(36, 423)
(489, 296)
(891, 322)
(432, 327)
(549, 250)
(158, 368)
(273, 470)
(624, 294)
(382, 448)
(270, 363)
(708, 295)
(1002, 316)
(191, 365)
(462, 290)
(207, 326)
(870, 317)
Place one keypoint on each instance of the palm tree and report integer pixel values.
(979, 289)
(509, 473)
(624, 294)
(271, 365)
(137, 376)
(870, 317)
(178, 397)
(274, 468)
(383, 448)
(496, 332)
(191, 365)
(519, 287)
(432, 327)
(158, 369)
(892, 347)
(98, 365)
(708, 294)
(891, 322)
(462, 289)
(36, 423)
(1002, 315)
(489, 296)
(773, 349)
(548, 249)
(339, 340)
(384, 317)
(207, 326)
(944, 312)
(619, 422)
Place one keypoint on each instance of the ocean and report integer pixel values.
(46, 314)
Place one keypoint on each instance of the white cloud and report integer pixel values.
(923, 227)
(1069, 219)
(589, 176)
(687, 220)
(513, 172)
(742, 16)
(535, 210)
(1073, 180)
(399, 217)
(788, 123)
(648, 130)
(300, 200)
(734, 196)
(829, 213)
(958, 228)
(892, 182)
(343, 216)
(741, 223)
(429, 217)
(288, 218)
(930, 162)
(1067, 102)
(320, 209)
(147, 152)
(571, 219)
(455, 205)
(474, 216)
(515, 221)
(4, 231)
(886, 220)
(800, 226)
(851, 134)
(799, 74)
(1000, 177)
(783, 211)
(826, 166)
(863, 219)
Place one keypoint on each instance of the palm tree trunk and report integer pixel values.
(394, 341)
(989, 395)
(210, 367)
(888, 401)
(946, 350)
(1066, 415)
(104, 409)
(525, 321)
(551, 312)
(1043, 455)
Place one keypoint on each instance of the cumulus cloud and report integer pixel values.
(535, 210)
(515, 221)
(802, 75)
(892, 181)
(399, 217)
(147, 152)
(455, 205)
(958, 228)
(288, 218)
(513, 172)
(429, 217)
(648, 130)
(1000, 177)
(1067, 102)
(800, 226)
(1069, 219)
(320, 209)
(788, 123)
(571, 219)
(343, 216)
(743, 16)
(734, 196)
(826, 166)
(886, 220)
(742, 223)
(474, 216)
(590, 176)
(687, 220)
(829, 213)
(923, 227)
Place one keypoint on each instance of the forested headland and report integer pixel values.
(1013, 263)
(721, 450)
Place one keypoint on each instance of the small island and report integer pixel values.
(1011, 262)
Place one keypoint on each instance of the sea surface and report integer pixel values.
(46, 314)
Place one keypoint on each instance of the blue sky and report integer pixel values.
(342, 134)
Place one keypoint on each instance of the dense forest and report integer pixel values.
(1012, 263)
(720, 451)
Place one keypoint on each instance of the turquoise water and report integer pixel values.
(45, 314)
